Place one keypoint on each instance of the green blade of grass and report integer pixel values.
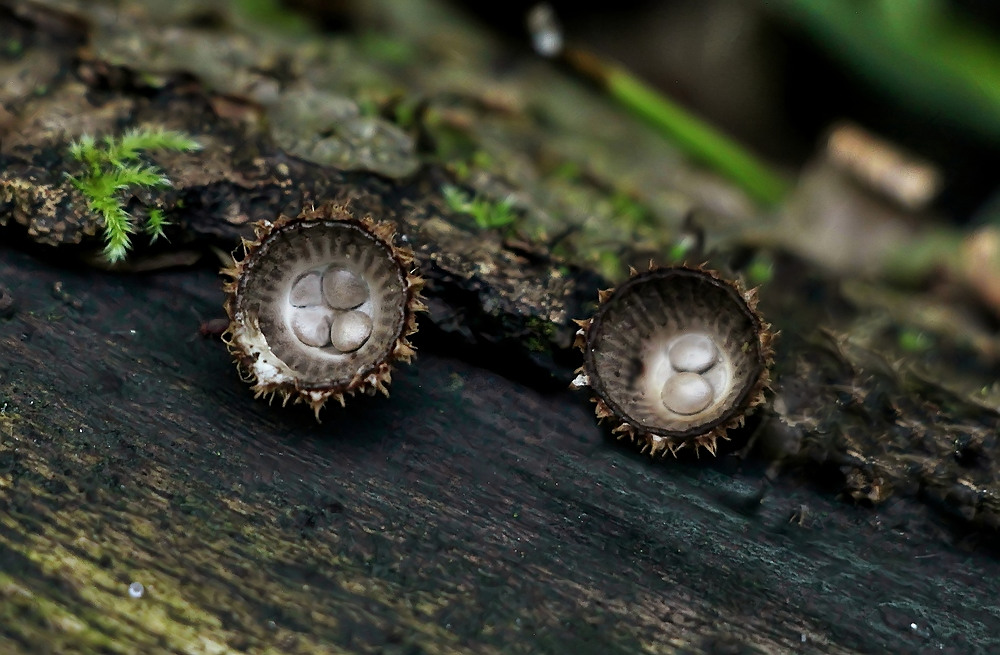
(694, 137)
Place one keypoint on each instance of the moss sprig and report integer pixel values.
(488, 214)
(113, 167)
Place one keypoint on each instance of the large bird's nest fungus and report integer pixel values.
(321, 306)
(675, 357)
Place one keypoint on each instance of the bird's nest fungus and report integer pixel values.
(321, 305)
(675, 357)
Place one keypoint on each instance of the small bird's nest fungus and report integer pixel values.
(321, 306)
(675, 357)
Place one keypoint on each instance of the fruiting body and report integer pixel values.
(675, 356)
(321, 306)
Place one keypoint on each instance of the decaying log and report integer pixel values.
(480, 508)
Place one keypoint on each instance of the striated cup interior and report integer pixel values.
(675, 352)
(328, 297)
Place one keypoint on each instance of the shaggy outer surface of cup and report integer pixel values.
(675, 357)
(320, 306)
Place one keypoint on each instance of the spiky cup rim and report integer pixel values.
(661, 440)
(374, 377)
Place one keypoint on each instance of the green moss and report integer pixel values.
(609, 265)
(488, 214)
(760, 270)
(535, 345)
(273, 15)
(113, 167)
(629, 210)
(679, 250)
(405, 112)
(541, 334)
(913, 340)
(567, 171)
(12, 48)
(387, 49)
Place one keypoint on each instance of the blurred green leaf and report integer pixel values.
(692, 135)
(922, 52)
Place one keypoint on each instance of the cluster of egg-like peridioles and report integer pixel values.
(693, 377)
(330, 308)
(675, 357)
(322, 304)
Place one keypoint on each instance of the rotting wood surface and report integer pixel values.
(481, 291)
(466, 513)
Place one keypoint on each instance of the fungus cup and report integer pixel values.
(675, 357)
(321, 306)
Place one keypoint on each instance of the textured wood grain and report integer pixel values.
(471, 511)
(466, 513)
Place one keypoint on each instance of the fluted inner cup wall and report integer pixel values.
(329, 297)
(675, 352)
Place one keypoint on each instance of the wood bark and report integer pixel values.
(480, 508)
